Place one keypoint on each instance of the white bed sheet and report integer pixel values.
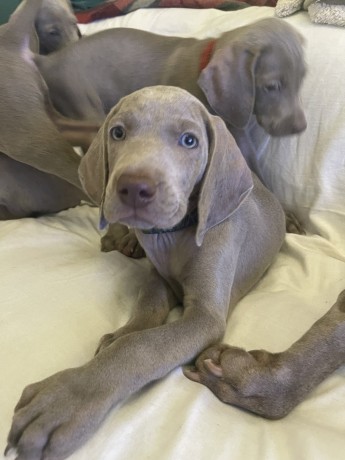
(59, 294)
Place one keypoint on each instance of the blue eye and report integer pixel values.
(188, 140)
(118, 133)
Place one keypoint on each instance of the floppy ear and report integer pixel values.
(94, 166)
(227, 180)
(93, 169)
(228, 82)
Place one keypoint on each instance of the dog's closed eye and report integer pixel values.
(272, 86)
(54, 32)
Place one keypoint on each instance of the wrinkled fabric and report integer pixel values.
(320, 11)
(92, 10)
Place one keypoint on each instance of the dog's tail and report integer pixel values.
(21, 26)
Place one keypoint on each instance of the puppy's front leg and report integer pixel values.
(55, 416)
(150, 311)
(272, 384)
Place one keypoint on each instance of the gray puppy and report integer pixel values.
(38, 167)
(160, 160)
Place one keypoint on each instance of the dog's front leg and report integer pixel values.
(55, 416)
(272, 384)
(150, 311)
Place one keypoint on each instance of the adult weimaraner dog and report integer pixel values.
(38, 166)
(253, 70)
(163, 165)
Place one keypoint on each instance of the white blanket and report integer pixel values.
(59, 294)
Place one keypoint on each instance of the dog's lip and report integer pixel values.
(283, 132)
(280, 130)
(141, 219)
(136, 221)
(129, 216)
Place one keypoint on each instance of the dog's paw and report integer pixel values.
(293, 225)
(255, 381)
(105, 341)
(55, 416)
(130, 247)
(109, 339)
(124, 242)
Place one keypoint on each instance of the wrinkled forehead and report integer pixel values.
(286, 64)
(281, 48)
(161, 105)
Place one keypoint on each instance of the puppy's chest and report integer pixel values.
(170, 255)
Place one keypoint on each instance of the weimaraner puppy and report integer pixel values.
(56, 25)
(39, 168)
(210, 229)
(256, 69)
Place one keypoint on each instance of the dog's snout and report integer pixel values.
(136, 191)
(292, 124)
(299, 124)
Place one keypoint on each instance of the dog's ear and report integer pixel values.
(228, 82)
(93, 169)
(227, 180)
(94, 166)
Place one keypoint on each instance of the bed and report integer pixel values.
(60, 294)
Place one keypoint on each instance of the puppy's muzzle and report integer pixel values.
(136, 191)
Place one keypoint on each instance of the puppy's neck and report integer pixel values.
(189, 219)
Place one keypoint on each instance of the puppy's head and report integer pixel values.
(258, 69)
(56, 26)
(158, 155)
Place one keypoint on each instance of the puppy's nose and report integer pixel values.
(300, 123)
(136, 191)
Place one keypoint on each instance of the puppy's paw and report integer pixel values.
(105, 341)
(129, 246)
(253, 380)
(109, 339)
(119, 238)
(293, 225)
(55, 416)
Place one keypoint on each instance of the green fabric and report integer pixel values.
(6, 9)
(79, 5)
